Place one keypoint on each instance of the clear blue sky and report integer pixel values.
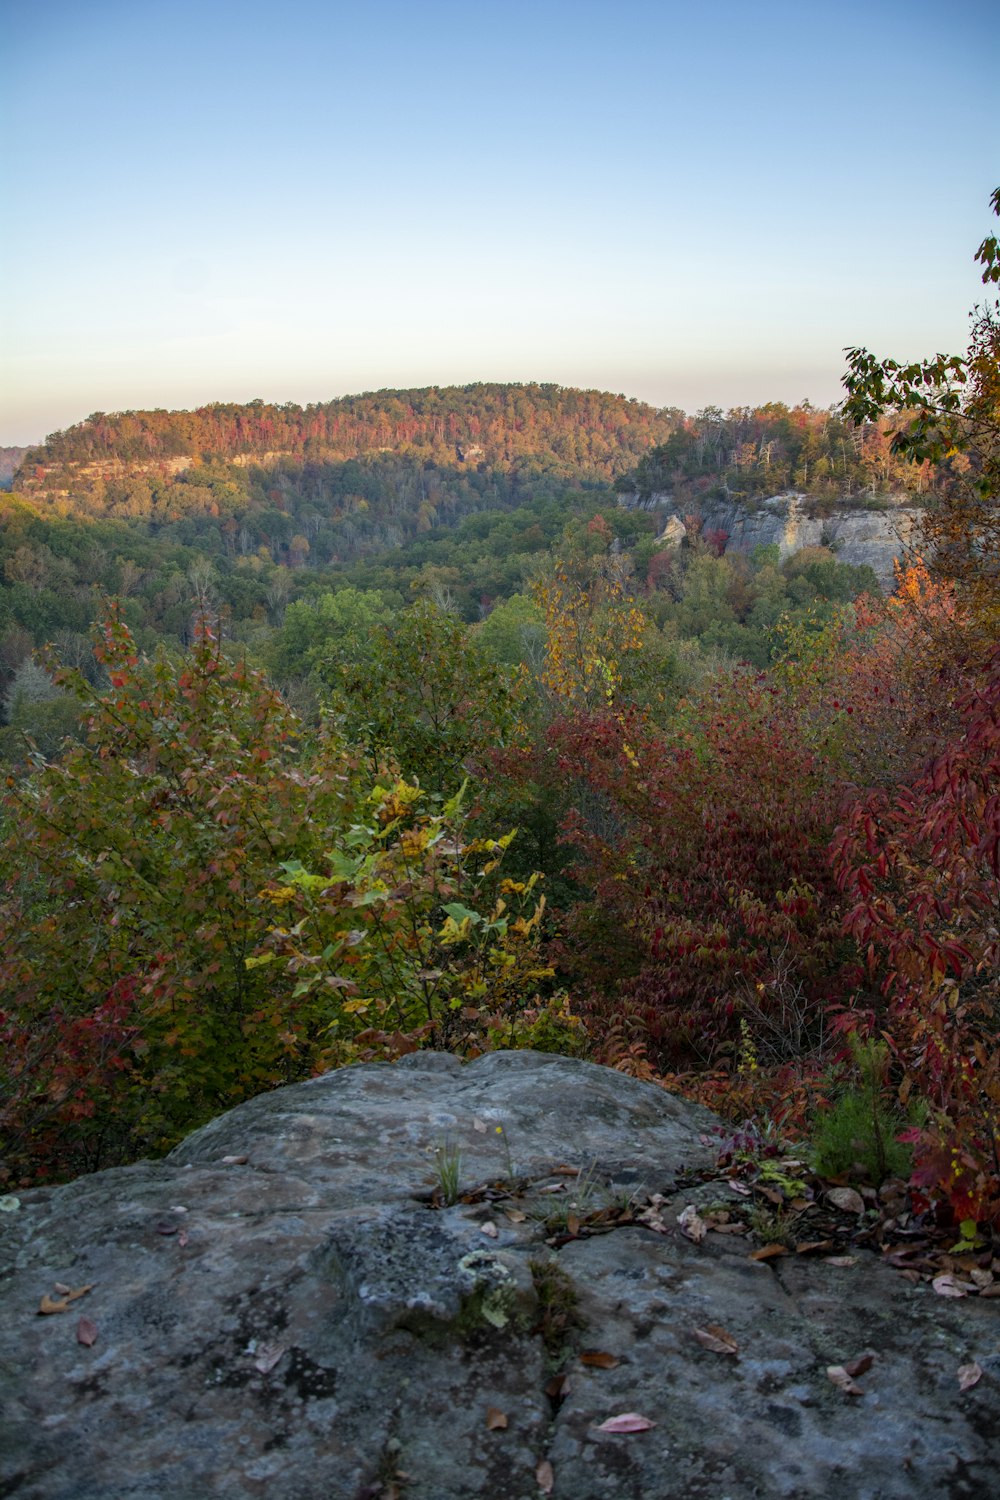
(692, 203)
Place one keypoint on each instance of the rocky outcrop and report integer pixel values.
(874, 536)
(279, 1309)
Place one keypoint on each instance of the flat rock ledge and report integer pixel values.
(279, 1309)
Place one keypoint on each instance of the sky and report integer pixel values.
(698, 203)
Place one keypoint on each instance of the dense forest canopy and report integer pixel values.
(495, 424)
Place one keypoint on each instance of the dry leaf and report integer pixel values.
(182, 1238)
(847, 1199)
(993, 1290)
(861, 1365)
(61, 1288)
(629, 1421)
(716, 1339)
(545, 1477)
(496, 1419)
(969, 1375)
(564, 1170)
(489, 1229)
(813, 1247)
(598, 1359)
(692, 1224)
(268, 1356)
(235, 1161)
(478, 1124)
(651, 1216)
(572, 1225)
(47, 1306)
(947, 1286)
(840, 1260)
(80, 1291)
(558, 1388)
(515, 1215)
(838, 1374)
(739, 1187)
(86, 1332)
(768, 1252)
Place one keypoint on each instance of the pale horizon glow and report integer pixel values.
(692, 206)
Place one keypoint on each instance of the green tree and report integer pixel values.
(133, 900)
(948, 411)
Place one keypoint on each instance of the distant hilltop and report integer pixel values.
(489, 424)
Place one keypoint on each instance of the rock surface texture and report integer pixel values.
(278, 1309)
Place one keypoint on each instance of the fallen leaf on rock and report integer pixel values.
(629, 1421)
(49, 1305)
(496, 1419)
(969, 1375)
(981, 1278)
(739, 1187)
(61, 1288)
(651, 1215)
(838, 1374)
(846, 1199)
(716, 1340)
(515, 1215)
(947, 1286)
(235, 1161)
(598, 1359)
(768, 1252)
(489, 1229)
(545, 1477)
(840, 1260)
(182, 1238)
(813, 1247)
(565, 1170)
(478, 1124)
(268, 1355)
(572, 1225)
(993, 1290)
(86, 1332)
(553, 1187)
(860, 1365)
(558, 1388)
(692, 1225)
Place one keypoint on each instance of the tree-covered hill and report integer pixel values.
(482, 423)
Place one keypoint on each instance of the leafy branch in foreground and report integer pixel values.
(949, 409)
(415, 938)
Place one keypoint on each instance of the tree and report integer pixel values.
(948, 411)
(133, 899)
(425, 693)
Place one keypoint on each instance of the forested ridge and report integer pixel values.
(508, 770)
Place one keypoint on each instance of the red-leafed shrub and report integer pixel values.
(712, 898)
(920, 867)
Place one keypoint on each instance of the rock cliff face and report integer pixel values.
(279, 1309)
(876, 537)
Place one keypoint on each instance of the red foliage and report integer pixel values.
(712, 896)
(921, 868)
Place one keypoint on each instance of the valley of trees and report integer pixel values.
(395, 731)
